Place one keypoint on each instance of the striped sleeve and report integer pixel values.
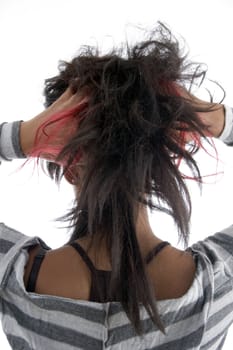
(10, 146)
(218, 248)
(11, 244)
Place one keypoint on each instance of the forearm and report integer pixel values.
(215, 120)
(227, 133)
(220, 122)
(17, 138)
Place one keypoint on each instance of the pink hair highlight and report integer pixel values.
(196, 138)
(172, 88)
(52, 135)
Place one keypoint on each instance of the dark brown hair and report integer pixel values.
(132, 133)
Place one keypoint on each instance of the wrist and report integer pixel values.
(28, 130)
(227, 132)
(217, 121)
(26, 139)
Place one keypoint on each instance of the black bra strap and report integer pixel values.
(156, 251)
(84, 255)
(35, 269)
(89, 263)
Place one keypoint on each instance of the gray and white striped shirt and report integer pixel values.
(197, 320)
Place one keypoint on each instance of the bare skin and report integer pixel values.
(63, 272)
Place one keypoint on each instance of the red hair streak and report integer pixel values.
(196, 138)
(55, 133)
(172, 88)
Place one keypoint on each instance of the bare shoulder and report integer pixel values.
(173, 273)
(62, 273)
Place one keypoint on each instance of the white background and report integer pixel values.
(35, 34)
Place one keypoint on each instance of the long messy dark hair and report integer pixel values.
(131, 134)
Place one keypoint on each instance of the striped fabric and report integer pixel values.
(10, 147)
(198, 320)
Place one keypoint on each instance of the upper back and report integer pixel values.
(65, 273)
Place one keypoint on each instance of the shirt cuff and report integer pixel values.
(10, 147)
